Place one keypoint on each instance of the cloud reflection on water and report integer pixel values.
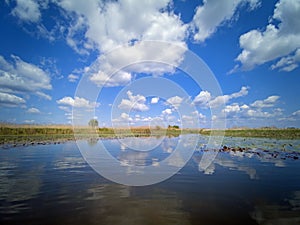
(285, 213)
(119, 204)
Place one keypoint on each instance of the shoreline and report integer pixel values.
(14, 136)
(271, 133)
(278, 154)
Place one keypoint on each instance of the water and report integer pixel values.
(52, 184)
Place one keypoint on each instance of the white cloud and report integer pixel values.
(29, 121)
(279, 40)
(167, 112)
(101, 26)
(295, 116)
(213, 14)
(73, 78)
(77, 102)
(234, 108)
(296, 113)
(116, 68)
(259, 109)
(64, 108)
(126, 117)
(69, 116)
(122, 22)
(43, 95)
(105, 25)
(27, 10)
(199, 115)
(244, 91)
(134, 103)
(288, 63)
(23, 77)
(33, 110)
(216, 102)
(268, 102)
(254, 113)
(10, 100)
(154, 100)
(204, 99)
(174, 101)
(192, 119)
(103, 79)
(260, 112)
(244, 106)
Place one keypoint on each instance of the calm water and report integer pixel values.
(52, 184)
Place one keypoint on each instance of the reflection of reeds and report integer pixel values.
(258, 133)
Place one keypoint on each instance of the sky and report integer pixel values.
(121, 62)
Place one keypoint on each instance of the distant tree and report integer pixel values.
(173, 127)
(157, 127)
(93, 123)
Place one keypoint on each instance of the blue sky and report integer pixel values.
(47, 47)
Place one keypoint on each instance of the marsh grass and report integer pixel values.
(26, 134)
(258, 133)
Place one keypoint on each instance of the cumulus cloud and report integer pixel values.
(29, 121)
(134, 103)
(174, 101)
(288, 63)
(167, 112)
(124, 119)
(296, 113)
(103, 79)
(204, 98)
(295, 116)
(121, 22)
(117, 67)
(259, 113)
(33, 110)
(213, 14)
(7, 99)
(154, 100)
(234, 108)
(279, 40)
(77, 102)
(101, 26)
(27, 10)
(20, 77)
(264, 111)
(259, 109)
(168, 117)
(73, 78)
(125, 23)
(192, 119)
(268, 102)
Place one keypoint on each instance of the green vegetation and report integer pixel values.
(25, 134)
(11, 134)
(93, 123)
(173, 127)
(259, 133)
(35, 130)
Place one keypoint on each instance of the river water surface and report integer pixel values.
(53, 184)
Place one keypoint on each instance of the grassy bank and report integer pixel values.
(259, 133)
(16, 134)
(25, 134)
